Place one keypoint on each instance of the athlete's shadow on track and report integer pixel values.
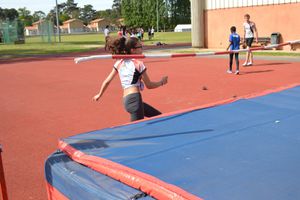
(267, 64)
(263, 71)
(257, 71)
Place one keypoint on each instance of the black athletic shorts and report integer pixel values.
(249, 42)
(133, 104)
(137, 109)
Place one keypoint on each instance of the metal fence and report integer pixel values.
(46, 31)
(221, 4)
(11, 31)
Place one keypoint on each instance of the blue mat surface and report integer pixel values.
(248, 149)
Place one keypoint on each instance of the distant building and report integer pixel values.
(35, 29)
(72, 26)
(183, 28)
(98, 25)
(30, 30)
(120, 22)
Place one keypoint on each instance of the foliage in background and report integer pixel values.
(25, 17)
(144, 13)
(87, 14)
(137, 13)
(179, 12)
(37, 15)
(9, 14)
(117, 6)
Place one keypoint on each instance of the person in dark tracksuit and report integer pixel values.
(234, 44)
(133, 76)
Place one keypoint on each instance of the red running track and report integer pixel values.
(45, 99)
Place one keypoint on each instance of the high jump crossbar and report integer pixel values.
(141, 56)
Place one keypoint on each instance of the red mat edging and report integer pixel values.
(146, 183)
(53, 193)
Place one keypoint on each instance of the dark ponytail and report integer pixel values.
(123, 45)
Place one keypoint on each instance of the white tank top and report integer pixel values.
(248, 27)
(130, 72)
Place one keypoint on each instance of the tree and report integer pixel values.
(51, 16)
(116, 7)
(87, 13)
(144, 13)
(62, 18)
(70, 8)
(10, 14)
(66, 11)
(104, 13)
(179, 12)
(37, 15)
(25, 17)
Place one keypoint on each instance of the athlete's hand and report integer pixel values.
(256, 40)
(96, 97)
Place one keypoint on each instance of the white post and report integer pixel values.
(57, 23)
(197, 12)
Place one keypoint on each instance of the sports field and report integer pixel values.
(80, 43)
(47, 98)
(92, 42)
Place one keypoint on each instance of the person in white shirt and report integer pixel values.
(106, 35)
(250, 31)
(152, 32)
(133, 75)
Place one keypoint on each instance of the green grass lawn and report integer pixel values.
(70, 43)
(88, 42)
(78, 43)
(169, 38)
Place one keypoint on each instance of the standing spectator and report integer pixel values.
(149, 34)
(142, 33)
(124, 31)
(152, 32)
(120, 32)
(249, 29)
(132, 33)
(234, 44)
(106, 35)
(139, 34)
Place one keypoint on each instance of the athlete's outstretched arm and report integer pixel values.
(105, 84)
(152, 85)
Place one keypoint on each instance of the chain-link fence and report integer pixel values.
(11, 31)
(14, 32)
(47, 31)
